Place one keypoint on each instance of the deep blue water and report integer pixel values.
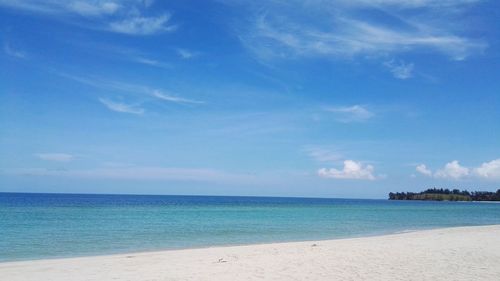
(34, 226)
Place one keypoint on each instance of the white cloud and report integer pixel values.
(351, 170)
(355, 113)
(57, 157)
(121, 107)
(423, 170)
(489, 170)
(400, 70)
(452, 170)
(333, 28)
(143, 25)
(12, 52)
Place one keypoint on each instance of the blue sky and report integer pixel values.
(282, 98)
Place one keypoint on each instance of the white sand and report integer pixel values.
(465, 253)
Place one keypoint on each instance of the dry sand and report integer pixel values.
(464, 253)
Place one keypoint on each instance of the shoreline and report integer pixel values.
(442, 252)
(139, 252)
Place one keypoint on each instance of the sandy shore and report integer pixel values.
(465, 253)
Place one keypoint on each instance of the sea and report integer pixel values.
(40, 226)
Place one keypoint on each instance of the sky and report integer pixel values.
(317, 98)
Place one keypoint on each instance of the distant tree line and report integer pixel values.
(440, 194)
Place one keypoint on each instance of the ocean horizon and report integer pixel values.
(57, 225)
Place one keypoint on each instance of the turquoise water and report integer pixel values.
(34, 226)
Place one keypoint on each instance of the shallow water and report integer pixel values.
(34, 226)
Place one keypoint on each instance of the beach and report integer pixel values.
(460, 253)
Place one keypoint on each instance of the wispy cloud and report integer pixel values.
(117, 52)
(121, 107)
(348, 114)
(57, 157)
(13, 53)
(80, 7)
(142, 174)
(400, 70)
(407, 3)
(96, 8)
(142, 94)
(126, 16)
(150, 62)
(323, 155)
(163, 96)
(140, 91)
(186, 54)
(143, 25)
(334, 29)
(351, 170)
